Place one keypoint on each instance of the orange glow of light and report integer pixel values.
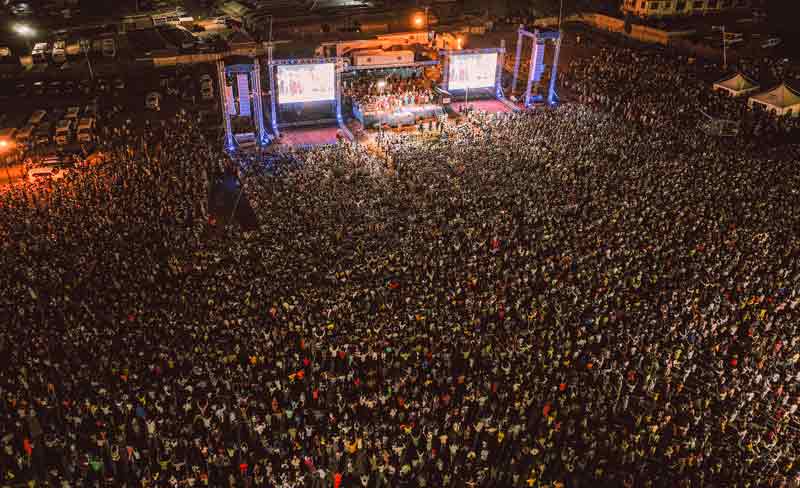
(418, 20)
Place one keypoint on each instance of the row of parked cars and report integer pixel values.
(172, 87)
(60, 51)
(61, 127)
(70, 87)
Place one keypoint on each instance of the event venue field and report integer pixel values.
(597, 294)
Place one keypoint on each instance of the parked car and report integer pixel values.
(22, 90)
(86, 129)
(54, 88)
(90, 110)
(206, 87)
(40, 53)
(119, 84)
(72, 113)
(85, 86)
(59, 53)
(109, 48)
(771, 42)
(37, 117)
(153, 101)
(42, 136)
(64, 131)
(38, 88)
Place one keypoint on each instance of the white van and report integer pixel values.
(63, 132)
(59, 53)
(39, 53)
(86, 129)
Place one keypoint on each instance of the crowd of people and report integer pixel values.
(672, 85)
(559, 298)
(389, 93)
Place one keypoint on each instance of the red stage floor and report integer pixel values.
(491, 106)
(315, 136)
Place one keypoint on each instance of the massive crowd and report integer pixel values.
(560, 298)
(674, 91)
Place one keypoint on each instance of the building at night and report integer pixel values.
(676, 8)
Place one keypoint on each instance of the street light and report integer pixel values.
(418, 21)
(24, 30)
(724, 45)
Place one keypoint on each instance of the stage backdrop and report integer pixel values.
(306, 83)
(472, 71)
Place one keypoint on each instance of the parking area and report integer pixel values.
(69, 118)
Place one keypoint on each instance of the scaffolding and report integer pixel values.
(536, 68)
(249, 79)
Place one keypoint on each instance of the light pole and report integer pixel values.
(724, 46)
(85, 45)
(25, 31)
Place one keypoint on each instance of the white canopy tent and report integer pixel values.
(736, 85)
(781, 100)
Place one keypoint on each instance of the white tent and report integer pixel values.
(736, 85)
(781, 100)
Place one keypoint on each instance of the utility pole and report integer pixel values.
(85, 44)
(724, 45)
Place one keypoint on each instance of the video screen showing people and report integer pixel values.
(306, 83)
(472, 71)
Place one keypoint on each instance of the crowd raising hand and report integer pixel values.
(566, 297)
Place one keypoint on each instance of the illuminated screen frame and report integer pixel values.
(287, 72)
(481, 61)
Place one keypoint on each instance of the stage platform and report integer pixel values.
(491, 106)
(308, 136)
(405, 115)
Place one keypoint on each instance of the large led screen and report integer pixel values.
(472, 71)
(306, 83)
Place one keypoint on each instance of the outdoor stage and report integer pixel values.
(405, 115)
(308, 136)
(491, 106)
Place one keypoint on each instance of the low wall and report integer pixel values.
(641, 33)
